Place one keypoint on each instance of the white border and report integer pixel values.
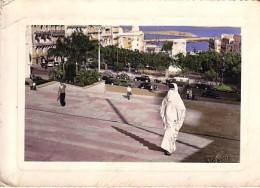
(18, 14)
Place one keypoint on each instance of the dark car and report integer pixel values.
(43, 64)
(143, 78)
(148, 86)
(210, 94)
(202, 86)
(108, 74)
(169, 81)
(123, 76)
(110, 81)
(157, 80)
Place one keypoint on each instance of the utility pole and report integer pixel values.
(99, 30)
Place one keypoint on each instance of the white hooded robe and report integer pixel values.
(172, 112)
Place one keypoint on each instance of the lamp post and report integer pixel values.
(65, 61)
(222, 71)
(99, 30)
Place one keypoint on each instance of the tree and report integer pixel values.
(167, 46)
(210, 75)
(77, 48)
(232, 68)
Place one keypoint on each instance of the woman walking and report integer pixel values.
(172, 112)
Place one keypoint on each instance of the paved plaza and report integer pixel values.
(100, 125)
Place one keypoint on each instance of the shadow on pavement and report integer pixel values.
(126, 122)
(149, 145)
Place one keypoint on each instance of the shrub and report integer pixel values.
(87, 77)
(56, 75)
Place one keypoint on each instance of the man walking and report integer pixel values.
(61, 94)
(172, 112)
(128, 92)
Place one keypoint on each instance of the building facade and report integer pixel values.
(152, 48)
(215, 44)
(133, 40)
(44, 37)
(227, 43)
(179, 46)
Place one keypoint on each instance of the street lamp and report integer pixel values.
(65, 61)
(99, 30)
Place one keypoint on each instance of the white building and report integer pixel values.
(133, 40)
(152, 48)
(179, 46)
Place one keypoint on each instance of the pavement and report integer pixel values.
(99, 124)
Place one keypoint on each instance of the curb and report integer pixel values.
(135, 91)
(92, 85)
(46, 84)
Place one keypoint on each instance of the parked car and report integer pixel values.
(157, 80)
(202, 86)
(124, 83)
(56, 64)
(108, 74)
(43, 64)
(148, 86)
(111, 81)
(143, 78)
(210, 94)
(123, 76)
(106, 77)
(50, 64)
(168, 81)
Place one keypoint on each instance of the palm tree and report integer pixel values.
(76, 48)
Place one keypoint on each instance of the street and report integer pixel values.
(43, 73)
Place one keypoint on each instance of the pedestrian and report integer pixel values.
(128, 92)
(32, 84)
(61, 94)
(188, 93)
(151, 88)
(172, 112)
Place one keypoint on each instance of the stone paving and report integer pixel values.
(97, 125)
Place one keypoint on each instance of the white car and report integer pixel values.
(50, 64)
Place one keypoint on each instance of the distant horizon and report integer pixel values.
(199, 31)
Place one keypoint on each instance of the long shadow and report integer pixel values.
(149, 145)
(126, 122)
(117, 111)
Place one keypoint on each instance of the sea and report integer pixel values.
(199, 31)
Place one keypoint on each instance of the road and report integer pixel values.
(161, 87)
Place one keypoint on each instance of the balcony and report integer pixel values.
(54, 33)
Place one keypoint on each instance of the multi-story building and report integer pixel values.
(152, 48)
(227, 43)
(179, 46)
(237, 44)
(133, 40)
(215, 44)
(43, 38)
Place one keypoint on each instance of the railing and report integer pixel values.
(52, 32)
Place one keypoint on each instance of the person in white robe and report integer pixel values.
(172, 112)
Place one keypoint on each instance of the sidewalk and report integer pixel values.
(105, 127)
